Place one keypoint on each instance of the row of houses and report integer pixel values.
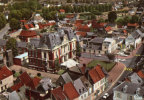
(77, 83)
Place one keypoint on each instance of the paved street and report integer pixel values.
(130, 63)
(4, 31)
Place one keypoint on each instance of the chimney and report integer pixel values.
(138, 91)
(80, 91)
(125, 88)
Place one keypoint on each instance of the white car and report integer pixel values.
(122, 59)
(98, 55)
(122, 54)
(105, 95)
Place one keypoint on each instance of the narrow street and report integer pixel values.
(4, 31)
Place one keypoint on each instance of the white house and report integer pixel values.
(133, 39)
(109, 45)
(6, 78)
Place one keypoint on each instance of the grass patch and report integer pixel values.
(107, 65)
(60, 72)
(17, 74)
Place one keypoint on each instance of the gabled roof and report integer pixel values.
(96, 74)
(5, 72)
(21, 44)
(132, 24)
(97, 40)
(79, 86)
(135, 35)
(141, 74)
(26, 33)
(17, 86)
(83, 34)
(59, 94)
(70, 91)
(108, 28)
(62, 10)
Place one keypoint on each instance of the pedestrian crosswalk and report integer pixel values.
(128, 69)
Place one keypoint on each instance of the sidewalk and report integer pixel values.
(17, 68)
(133, 53)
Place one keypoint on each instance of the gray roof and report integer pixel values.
(97, 40)
(21, 44)
(2, 42)
(131, 88)
(35, 42)
(136, 79)
(46, 84)
(14, 96)
(79, 86)
(53, 39)
(135, 35)
(66, 77)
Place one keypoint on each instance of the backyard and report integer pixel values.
(107, 65)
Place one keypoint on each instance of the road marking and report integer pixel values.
(128, 69)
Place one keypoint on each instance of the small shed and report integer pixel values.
(21, 59)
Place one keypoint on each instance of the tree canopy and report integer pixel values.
(14, 24)
(2, 21)
(112, 16)
(12, 45)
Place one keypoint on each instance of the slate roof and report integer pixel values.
(131, 88)
(97, 40)
(14, 96)
(66, 77)
(35, 42)
(135, 35)
(21, 44)
(53, 39)
(2, 42)
(70, 91)
(5, 72)
(79, 86)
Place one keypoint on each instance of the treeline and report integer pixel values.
(47, 13)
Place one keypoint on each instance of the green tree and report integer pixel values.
(126, 20)
(2, 21)
(110, 56)
(57, 64)
(112, 16)
(26, 13)
(16, 14)
(134, 19)
(120, 21)
(78, 50)
(12, 45)
(14, 24)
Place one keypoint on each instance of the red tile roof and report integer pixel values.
(62, 10)
(25, 78)
(70, 91)
(26, 33)
(132, 24)
(5, 72)
(35, 82)
(140, 74)
(83, 28)
(108, 28)
(70, 16)
(83, 34)
(17, 86)
(96, 74)
(31, 25)
(23, 20)
(58, 93)
(27, 26)
(79, 21)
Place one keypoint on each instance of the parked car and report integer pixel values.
(105, 96)
(99, 55)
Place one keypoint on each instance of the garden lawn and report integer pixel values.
(60, 72)
(107, 65)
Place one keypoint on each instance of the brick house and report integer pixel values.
(25, 35)
(60, 45)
